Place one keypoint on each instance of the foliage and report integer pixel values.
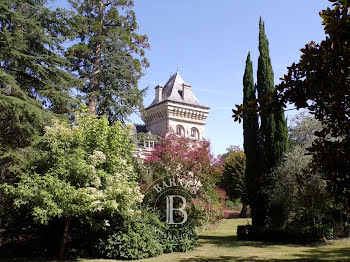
(109, 55)
(34, 87)
(273, 128)
(144, 172)
(210, 207)
(136, 239)
(303, 128)
(266, 143)
(181, 156)
(144, 236)
(251, 141)
(30, 53)
(319, 82)
(139, 138)
(83, 170)
(229, 150)
(182, 240)
(299, 190)
(305, 235)
(191, 159)
(264, 85)
(233, 179)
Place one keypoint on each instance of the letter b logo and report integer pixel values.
(170, 209)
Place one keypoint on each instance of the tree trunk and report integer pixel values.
(243, 213)
(64, 238)
(95, 81)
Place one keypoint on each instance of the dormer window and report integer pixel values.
(149, 144)
(180, 130)
(194, 133)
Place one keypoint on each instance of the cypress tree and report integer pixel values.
(250, 134)
(265, 85)
(273, 129)
(281, 134)
(280, 144)
(273, 134)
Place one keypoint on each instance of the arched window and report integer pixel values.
(194, 133)
(180, 130)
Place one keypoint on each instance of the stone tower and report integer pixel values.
(175, 108)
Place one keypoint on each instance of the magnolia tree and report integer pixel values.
(179, 156)
(83, 170)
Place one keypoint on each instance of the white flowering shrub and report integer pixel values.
(83, 170)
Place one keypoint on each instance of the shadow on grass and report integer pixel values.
(232, 241)
(257, 259)
(318, 254)
(314, 252)
(339, 255)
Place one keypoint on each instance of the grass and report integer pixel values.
(221, 244)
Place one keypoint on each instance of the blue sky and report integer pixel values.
(209, 40)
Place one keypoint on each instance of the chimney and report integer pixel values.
(186, 91)
(159, 93)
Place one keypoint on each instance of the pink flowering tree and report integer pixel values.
(193, 160)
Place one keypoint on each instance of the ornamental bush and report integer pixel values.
(144, 236)
(184, 157)
(134, 239)
(308, 234)
(80, 172)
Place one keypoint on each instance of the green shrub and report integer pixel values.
(136, 238)
(302, 235)
(325, 230)
(181, 240)
(144, 237)
(135, 241)
(244, 232)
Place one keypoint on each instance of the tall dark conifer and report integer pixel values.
(34, 87)
(32, 82)
(265, 85)
(264, 145)
(281, 135)
(273, 130)
(109, 55)
(250, 134)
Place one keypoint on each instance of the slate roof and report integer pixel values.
(137, 128)
(172, 91)
(141, 129)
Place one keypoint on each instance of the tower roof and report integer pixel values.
(172, 91)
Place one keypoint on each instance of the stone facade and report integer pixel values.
(174, 109)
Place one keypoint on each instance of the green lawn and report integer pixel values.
(221, 244)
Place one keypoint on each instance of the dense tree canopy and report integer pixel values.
(300, 191)
(31, 75)
(109, 55)
(34, 87)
